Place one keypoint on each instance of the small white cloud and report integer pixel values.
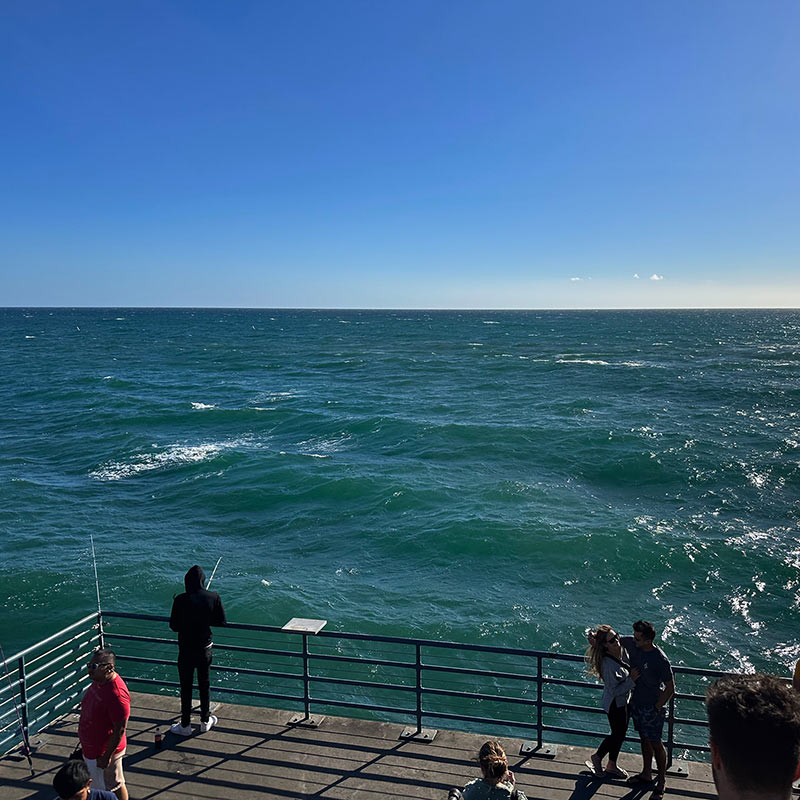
(655, 277)
(636, 275)
(574, 279)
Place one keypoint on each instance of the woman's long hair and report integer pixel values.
(596, 651)
(493, 761)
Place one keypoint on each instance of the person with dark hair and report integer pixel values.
(655, 685)
(754, 731)
(497, 782)
(193, 613)
(73, 782)
(105, 709)
(609, 661)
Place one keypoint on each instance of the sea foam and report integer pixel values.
(173, 456)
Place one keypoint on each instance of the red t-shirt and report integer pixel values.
(102, 706)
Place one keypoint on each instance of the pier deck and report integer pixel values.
(256, 753)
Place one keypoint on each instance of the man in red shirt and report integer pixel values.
(105, 709)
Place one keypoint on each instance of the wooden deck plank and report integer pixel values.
(255, 753)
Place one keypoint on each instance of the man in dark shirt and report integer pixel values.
(655, 686)
(193, 612)
(73, 782)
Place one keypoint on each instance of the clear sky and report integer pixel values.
(435, 154)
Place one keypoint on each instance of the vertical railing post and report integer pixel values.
(418, 666)
(539, 703)
(23, 699)
(306, 679)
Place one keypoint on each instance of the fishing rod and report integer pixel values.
(97, 591)
(214, 572)
(26, 745)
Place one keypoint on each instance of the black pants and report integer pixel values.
(618, 719)
(188, 662)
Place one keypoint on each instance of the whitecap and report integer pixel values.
(757, 479)
(30, 337)
(490, 322)
(597, 361)
(201, 406)
(108, 377)
(176, 455)
(475, 344)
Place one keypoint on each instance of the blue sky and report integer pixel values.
(383, 154)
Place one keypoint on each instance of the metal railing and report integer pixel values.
(531, 694)
(45, 681)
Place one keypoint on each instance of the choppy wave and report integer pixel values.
(163, 459)
(493, 476)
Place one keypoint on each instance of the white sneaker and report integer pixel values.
(180, 730)
(208, 724)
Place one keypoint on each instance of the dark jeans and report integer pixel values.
(618, 719)
(188, 662)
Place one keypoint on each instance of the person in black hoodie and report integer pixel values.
(193, 612)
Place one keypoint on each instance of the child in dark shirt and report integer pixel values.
(73, 782)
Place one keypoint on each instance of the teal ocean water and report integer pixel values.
(498, 477)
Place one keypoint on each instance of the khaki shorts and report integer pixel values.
(110, 778)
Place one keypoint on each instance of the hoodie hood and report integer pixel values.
(194, 579)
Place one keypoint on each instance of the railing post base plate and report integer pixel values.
(313, 721)
(533, 749)
(424, 735)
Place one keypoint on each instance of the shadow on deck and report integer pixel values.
(256, 753)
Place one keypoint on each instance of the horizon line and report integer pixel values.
(398, 308)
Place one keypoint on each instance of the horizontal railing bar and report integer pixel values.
(572, 707)
(370, 638)
(84, 634)
(292, 676)
(219, 668)
(133, 637)
(474, 696)
(708, 673)
(217, 647)
(579, 732)
(576, 684)
(33, 684)
(241, 648)
(486, 673)
(76, 680)
(222, 689)
(372, 662)
(392, 687)
(698, 697)
(697, 722)
(21, 653)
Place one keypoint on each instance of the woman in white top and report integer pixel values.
(608, 660)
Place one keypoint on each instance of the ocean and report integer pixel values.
(505, 478)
